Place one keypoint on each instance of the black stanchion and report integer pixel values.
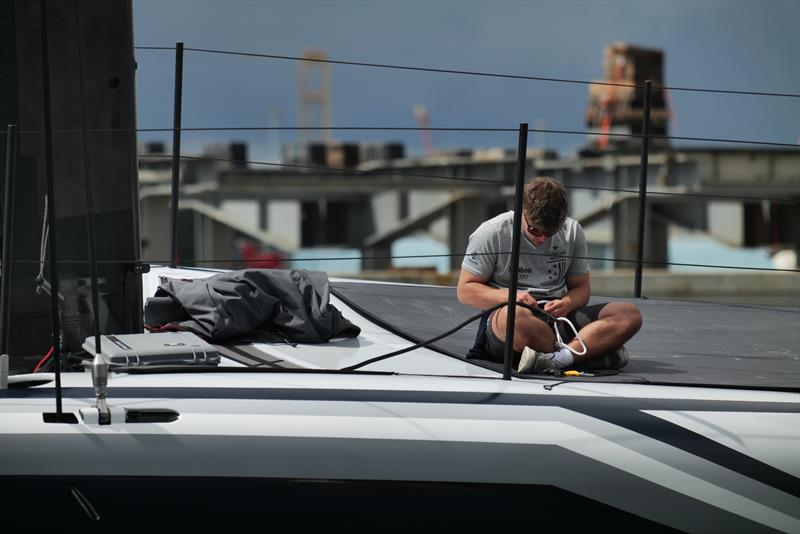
(176, 149)
(522, 149)
(87, 180)
(8, 233)
(51, 211)
(648, 89)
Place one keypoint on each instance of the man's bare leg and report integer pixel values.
(529, 331)
(616, 324)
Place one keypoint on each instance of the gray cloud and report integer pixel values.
(725, 44)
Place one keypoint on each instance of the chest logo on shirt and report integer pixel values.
(557, 265)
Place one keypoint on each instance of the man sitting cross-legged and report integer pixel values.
(553, 275)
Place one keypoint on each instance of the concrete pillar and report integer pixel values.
(625, 228)
(155, 228)
(221, 245)
(796, 243)
(376, 258)
(465, 216)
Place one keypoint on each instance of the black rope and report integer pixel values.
(539, 313)
(474, 73)
(423, 343)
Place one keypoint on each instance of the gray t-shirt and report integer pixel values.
(542, 269)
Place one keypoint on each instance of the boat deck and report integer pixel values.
(687, 343)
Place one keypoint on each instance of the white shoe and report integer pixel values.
(535, 362)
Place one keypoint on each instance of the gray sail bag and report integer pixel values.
(250, 305)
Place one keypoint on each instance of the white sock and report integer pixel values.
(562, 357)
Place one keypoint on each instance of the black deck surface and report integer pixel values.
(681, 342)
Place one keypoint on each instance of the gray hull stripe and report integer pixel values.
(697, 444)
(571, 402)
(624, 412)
(340, 459)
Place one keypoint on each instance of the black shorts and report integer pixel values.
(496, 348)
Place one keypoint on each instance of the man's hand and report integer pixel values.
(558, 307)
(525, 298)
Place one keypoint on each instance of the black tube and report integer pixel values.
(522, 149)
(8, 232)
(541, 314)
(648, 89)
(87, 180)
(51, 208)
(421, 344)
(176, 149)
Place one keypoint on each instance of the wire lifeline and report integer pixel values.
(433, 129)
(539, 78)
(465, 179)
(475, 73)
(459, 255)
(335, 169)
(537, 130)
(205, 50)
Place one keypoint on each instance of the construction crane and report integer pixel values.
(315, 96)
(608, 101)
(617, 105)
(426, 138)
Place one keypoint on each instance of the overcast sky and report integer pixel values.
(739, 45)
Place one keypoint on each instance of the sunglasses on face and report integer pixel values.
(536, 232)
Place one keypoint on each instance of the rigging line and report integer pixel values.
(451, 129)
(286, 128)
(709, 140)
(483, 74)
(314, 167)
(537, 130)
(432, 129)
(681, 194)
(353, 128)
(458, 178)
(646, 262)
(412, 256)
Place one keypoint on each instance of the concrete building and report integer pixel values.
(716, 191)
(367, 196)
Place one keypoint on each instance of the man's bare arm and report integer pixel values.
(579, 290)
(474, 291)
